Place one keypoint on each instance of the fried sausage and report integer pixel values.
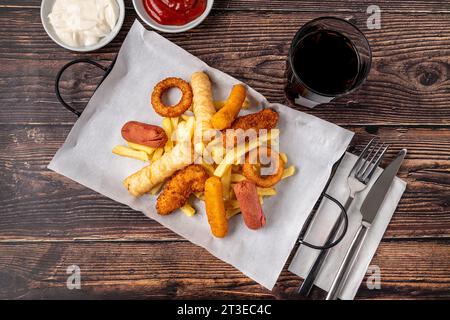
(247, 196)
(144, 134)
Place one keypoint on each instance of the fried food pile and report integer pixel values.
(204, 149)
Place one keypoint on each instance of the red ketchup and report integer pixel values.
(174, 12)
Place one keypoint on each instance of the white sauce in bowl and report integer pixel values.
(82, 23)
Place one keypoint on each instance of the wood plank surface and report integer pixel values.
(424, 6)
(410, 269)
(408, 83)
(48, 222)
(40, 204)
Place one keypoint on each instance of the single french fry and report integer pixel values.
(261, 199)
(231, 204)
(140, 147)
(217, 153)
(185, 117)
(188, 210)
(226, 183)
(288, 172)
(232, 212)
(174, 122)
(246, 103)
(130, 153)
(266, 192)
(167, 126)
(284, 157)
(156, 188)
(236, 177)
(169, 146)
(157, 154)
(208, 168)
(200, 196)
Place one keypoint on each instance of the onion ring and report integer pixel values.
(263, 181)
(180, 107)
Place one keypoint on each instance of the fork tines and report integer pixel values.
(369, 159)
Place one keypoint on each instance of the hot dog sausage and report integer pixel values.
(144, 134)
(251, 210)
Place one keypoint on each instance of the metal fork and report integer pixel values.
(357, 181)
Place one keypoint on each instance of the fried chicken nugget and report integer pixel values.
(182, 184)
(264, 119)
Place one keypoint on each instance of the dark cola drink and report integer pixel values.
(329, 57)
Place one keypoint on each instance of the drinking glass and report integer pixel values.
(297, 89)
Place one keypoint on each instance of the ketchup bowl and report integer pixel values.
(168, 15)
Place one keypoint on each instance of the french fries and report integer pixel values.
(226, 183)
(266, 192)
(140, 147)
(174, 122)
(234, 155)
(231, 204)
(157, 154)
(130, 153)
(200, 196)
(232, 212)
(167, 125)
(283, 157)
(290, 171)
(156, 188)
(188, 210)
(236, 177)
(208, 168)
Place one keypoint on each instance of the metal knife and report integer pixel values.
(369, 210)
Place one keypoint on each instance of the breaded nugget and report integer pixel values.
(182, 184)
(264, 119)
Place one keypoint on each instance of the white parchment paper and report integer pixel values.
(324, 220)
(312, 145)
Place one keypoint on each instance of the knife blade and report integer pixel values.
(377, 193)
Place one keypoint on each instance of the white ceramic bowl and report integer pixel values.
(46, 8)
(140, 10)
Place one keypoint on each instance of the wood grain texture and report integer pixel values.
(424, 6)
(408, 83)
(48, 222)
(409, 269)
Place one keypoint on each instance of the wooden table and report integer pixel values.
(48, 222)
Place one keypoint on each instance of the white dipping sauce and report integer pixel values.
(82, 23)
